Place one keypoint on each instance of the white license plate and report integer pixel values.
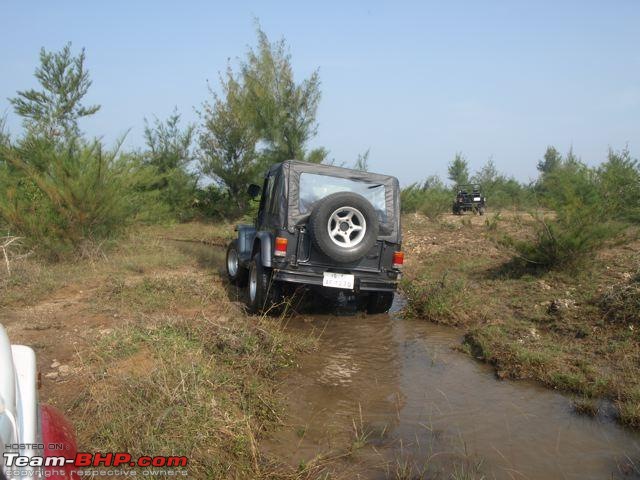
(337, 280)
(476, 199)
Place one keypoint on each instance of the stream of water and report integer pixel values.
(390, 398)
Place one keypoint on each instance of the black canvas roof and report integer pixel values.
(288, 175)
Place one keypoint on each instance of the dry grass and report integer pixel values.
(197, 386)
(164, 360)
(576, 332)
(621, 302)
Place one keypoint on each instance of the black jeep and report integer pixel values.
(468, 199)
(330, 229)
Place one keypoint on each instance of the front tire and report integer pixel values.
(235, 271)
(380, 302)
(261, 290)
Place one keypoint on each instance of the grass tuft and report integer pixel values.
(441, 301)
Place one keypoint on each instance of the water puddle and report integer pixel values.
(386, 397)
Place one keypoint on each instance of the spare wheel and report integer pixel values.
(344, 226)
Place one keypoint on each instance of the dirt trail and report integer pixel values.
(381, 397)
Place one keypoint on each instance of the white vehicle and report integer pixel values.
(27, 428)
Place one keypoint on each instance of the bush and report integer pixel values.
(61, 197)
(621, 303)
(581, 224)
(619, 186)
(439, 301)
(507, 193)
(169, 152)
(430, 198)
(561, 243)
(215, 202)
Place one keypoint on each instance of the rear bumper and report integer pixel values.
(363, 282)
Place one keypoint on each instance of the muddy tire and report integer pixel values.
(344, 226)
(481, 211)
(235, 271)
(261, 290)
(379, 302)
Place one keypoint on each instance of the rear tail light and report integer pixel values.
(281, 247)
(398, 259)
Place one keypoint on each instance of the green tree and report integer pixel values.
(580, 226)
(430, 197)
(169, 152)
(5, 138)
(488, 175)
(261, 116)
(619, 185)
(228, 140)
(54, 110)
(459, 170)
(316, 155)
(283, 112)
(571, 158)
(551, 160)
(83, 196)
(362, 162)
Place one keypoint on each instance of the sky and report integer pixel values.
(413, 82)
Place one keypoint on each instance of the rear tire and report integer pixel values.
(235, 271)
(380, 302)
(261, 290)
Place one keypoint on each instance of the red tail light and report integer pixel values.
(398, 259)
(58, 437)
(281, 247)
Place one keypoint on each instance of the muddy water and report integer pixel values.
(386, 397)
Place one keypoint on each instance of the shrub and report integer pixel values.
(430, 198)
(440, 301)
(561, 243)
(169, 152)
(62, 196)
(580, 226)
(621, 303)
(619, 186)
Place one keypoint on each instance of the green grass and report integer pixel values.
(180, 370)
(586, 406)
(589, 347)
(201, 387)
(443, 300)
(152, 294)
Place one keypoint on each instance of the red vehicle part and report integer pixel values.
(59, 440)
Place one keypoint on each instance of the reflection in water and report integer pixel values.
(386, 394)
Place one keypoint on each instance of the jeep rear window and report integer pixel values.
(314, 187)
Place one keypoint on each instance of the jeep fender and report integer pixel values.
(263, 241)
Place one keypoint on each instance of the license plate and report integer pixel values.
(337, 280)
(476, 199)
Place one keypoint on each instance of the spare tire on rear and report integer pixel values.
(344, 226)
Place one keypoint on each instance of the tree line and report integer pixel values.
(61, 189)
(64, 192)
(590, 205)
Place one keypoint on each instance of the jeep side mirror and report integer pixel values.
(253, 190)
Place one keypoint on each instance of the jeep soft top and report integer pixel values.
(329, 228)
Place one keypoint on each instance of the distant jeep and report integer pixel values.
(469, 198)
(333, 230)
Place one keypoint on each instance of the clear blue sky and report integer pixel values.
(414, 82)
